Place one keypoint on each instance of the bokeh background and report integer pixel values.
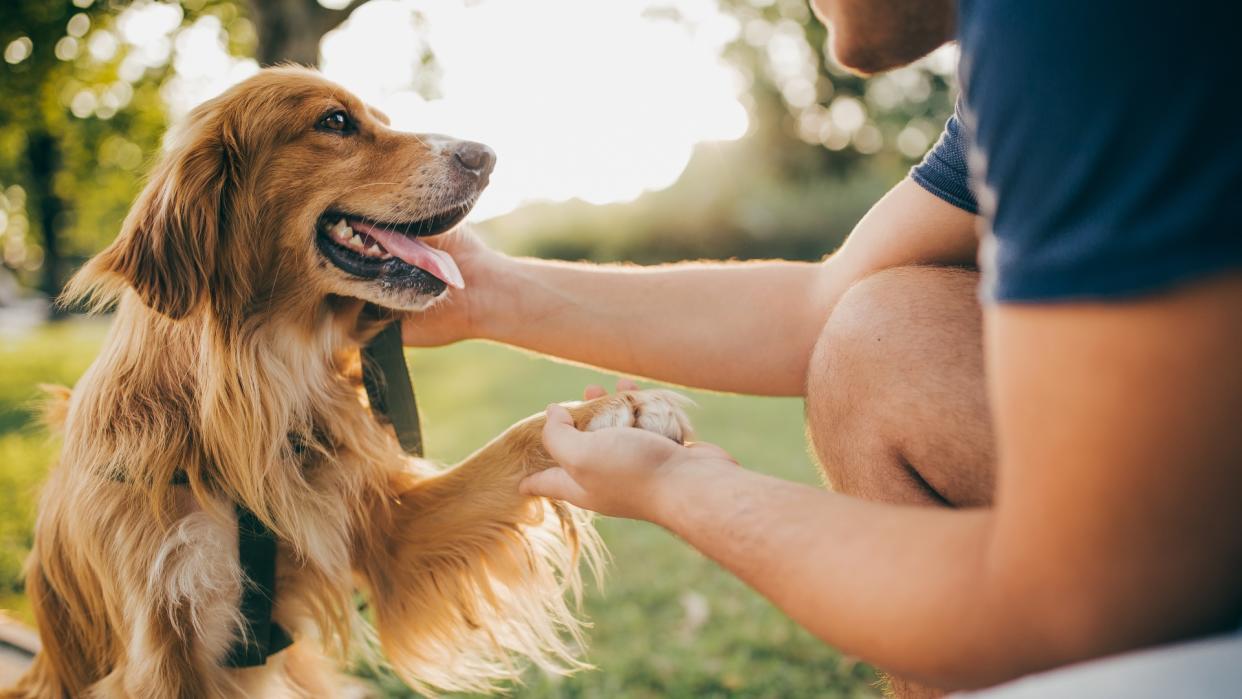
(627, 130)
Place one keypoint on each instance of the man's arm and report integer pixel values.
(1116, 523)
(744, 327)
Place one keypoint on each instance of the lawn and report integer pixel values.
(668, 623)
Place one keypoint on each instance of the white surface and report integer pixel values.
(1204, 669)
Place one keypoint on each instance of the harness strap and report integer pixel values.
(256, 551)
(387, 379)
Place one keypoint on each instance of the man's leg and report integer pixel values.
(896, 403)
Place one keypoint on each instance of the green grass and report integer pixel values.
(651, 637)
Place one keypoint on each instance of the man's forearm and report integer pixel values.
(906, 588)
(744, 327)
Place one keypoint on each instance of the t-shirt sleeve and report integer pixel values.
(943, 171)
(1106, 149)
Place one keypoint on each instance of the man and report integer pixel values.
(1050, 476)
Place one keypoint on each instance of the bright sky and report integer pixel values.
(591, 99)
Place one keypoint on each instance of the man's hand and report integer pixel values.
(620, 471)
(457, 316)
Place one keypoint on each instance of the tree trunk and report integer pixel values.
(290, 30)
(44, 155)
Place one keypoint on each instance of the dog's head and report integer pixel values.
(287, 188)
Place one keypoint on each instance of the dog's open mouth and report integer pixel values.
(391, 252)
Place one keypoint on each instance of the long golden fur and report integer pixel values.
(233, 358)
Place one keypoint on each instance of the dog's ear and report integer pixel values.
(170, 242)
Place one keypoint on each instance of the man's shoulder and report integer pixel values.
(1108, 156)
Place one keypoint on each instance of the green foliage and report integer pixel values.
(816, 118)
(668, 623)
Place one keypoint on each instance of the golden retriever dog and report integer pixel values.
(282, 228)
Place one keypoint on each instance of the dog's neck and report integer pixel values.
(266, 413)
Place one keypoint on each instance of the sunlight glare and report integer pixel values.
(584, 99)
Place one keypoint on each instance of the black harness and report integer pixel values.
(256, 551)
(387, 380)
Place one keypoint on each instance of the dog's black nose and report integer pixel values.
(475, 157)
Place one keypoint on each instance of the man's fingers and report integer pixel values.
(561, 438)
(596, 391)
(555, 483)
(557, 413)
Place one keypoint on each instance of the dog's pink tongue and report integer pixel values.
(414, 251)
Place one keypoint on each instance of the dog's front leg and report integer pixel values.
(473, 576)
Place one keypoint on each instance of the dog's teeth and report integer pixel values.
(355, 242)
(344, 233)
(374, 250)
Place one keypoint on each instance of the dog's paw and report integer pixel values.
(653, 410)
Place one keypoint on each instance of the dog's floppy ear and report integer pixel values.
(169, 244)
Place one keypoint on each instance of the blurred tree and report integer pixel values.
(36, 34)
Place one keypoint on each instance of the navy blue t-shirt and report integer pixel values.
(1103, 141)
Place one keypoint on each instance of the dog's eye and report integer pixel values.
(337, 121)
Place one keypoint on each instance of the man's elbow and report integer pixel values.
(1054, 626)
(1020, 633)
(1107, 618)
